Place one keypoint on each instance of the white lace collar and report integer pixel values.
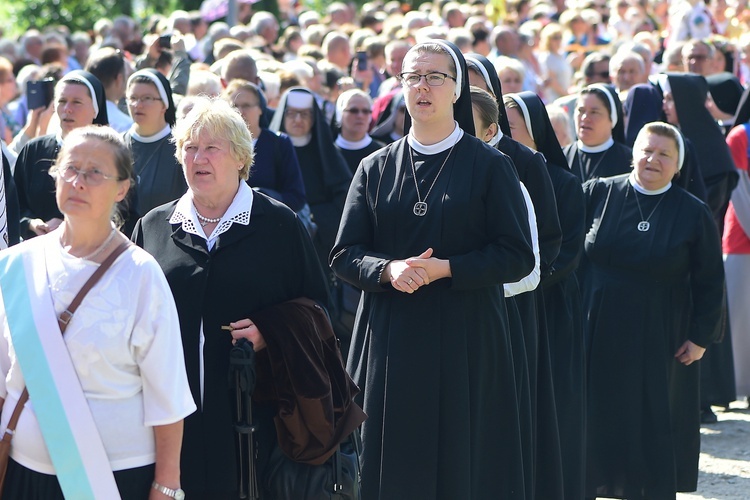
(596, 149)
(353, 145)
(151, 138)
(237, 213)
(643, 190)
(438, 147)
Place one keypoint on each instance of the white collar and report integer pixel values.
(438, 147)
(353, 145)
(493, 142)
(648, 192)
(238, 212)
(596, 149)
(301, 141)
(151, 138)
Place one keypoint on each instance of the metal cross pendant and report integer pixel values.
(643, 226)
(420, 209)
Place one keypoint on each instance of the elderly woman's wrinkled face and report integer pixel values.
(211, 171)
(298, 122)
(655, 160)
(249, 107)
(593, 120)
(74, 106)
(355, 120)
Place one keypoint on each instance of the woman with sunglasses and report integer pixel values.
(158, 174)
(353, 118)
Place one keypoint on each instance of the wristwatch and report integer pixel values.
(177, 494)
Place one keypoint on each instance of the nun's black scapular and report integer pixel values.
(720, 177)
(326, 177)
(159, 178)
(36, 188)
(644, 105)
(562, 298)
(607, 159)
(435, 365)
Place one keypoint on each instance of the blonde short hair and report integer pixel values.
(217, 118)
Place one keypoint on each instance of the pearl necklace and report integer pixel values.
(100, 248)
(204, 221)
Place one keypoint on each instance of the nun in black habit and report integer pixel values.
(434, 224)
(158, 175)
(79, 101)
(562, 297)
(653, 290)
(644, 105)
(324, 172)
(389, 126)
(533, 172)
(684, 105)
(600, 150)
(353, 117)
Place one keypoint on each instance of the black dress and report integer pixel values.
(36, 188)
(435, 366)
(354, 156)
(158, 175)
(250, 268)
(616, 160)
(645, 294)
(546, 457)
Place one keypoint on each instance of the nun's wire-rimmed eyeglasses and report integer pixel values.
(433, 79)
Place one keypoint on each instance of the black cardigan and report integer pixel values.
(267, 262)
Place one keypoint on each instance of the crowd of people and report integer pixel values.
(519, 226)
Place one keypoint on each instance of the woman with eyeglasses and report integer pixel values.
(79, 101)
(275, 171)
(353, 117)
(600, 150)
(158, 174)
(434, 225)
(109, 391)
(324, 171)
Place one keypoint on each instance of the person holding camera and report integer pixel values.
(166, 53)
(79, 100)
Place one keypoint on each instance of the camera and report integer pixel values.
(165, 41)
(39, 93)
(361, 61)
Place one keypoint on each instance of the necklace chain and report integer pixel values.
(205, 220)
(101, 247)
(590, 173)
(644, 224)
(420, 207)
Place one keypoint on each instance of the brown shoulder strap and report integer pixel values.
(63, 321)
(67, 314)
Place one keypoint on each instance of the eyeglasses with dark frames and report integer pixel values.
(433, 79)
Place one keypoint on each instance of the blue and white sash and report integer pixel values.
(70, 434)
